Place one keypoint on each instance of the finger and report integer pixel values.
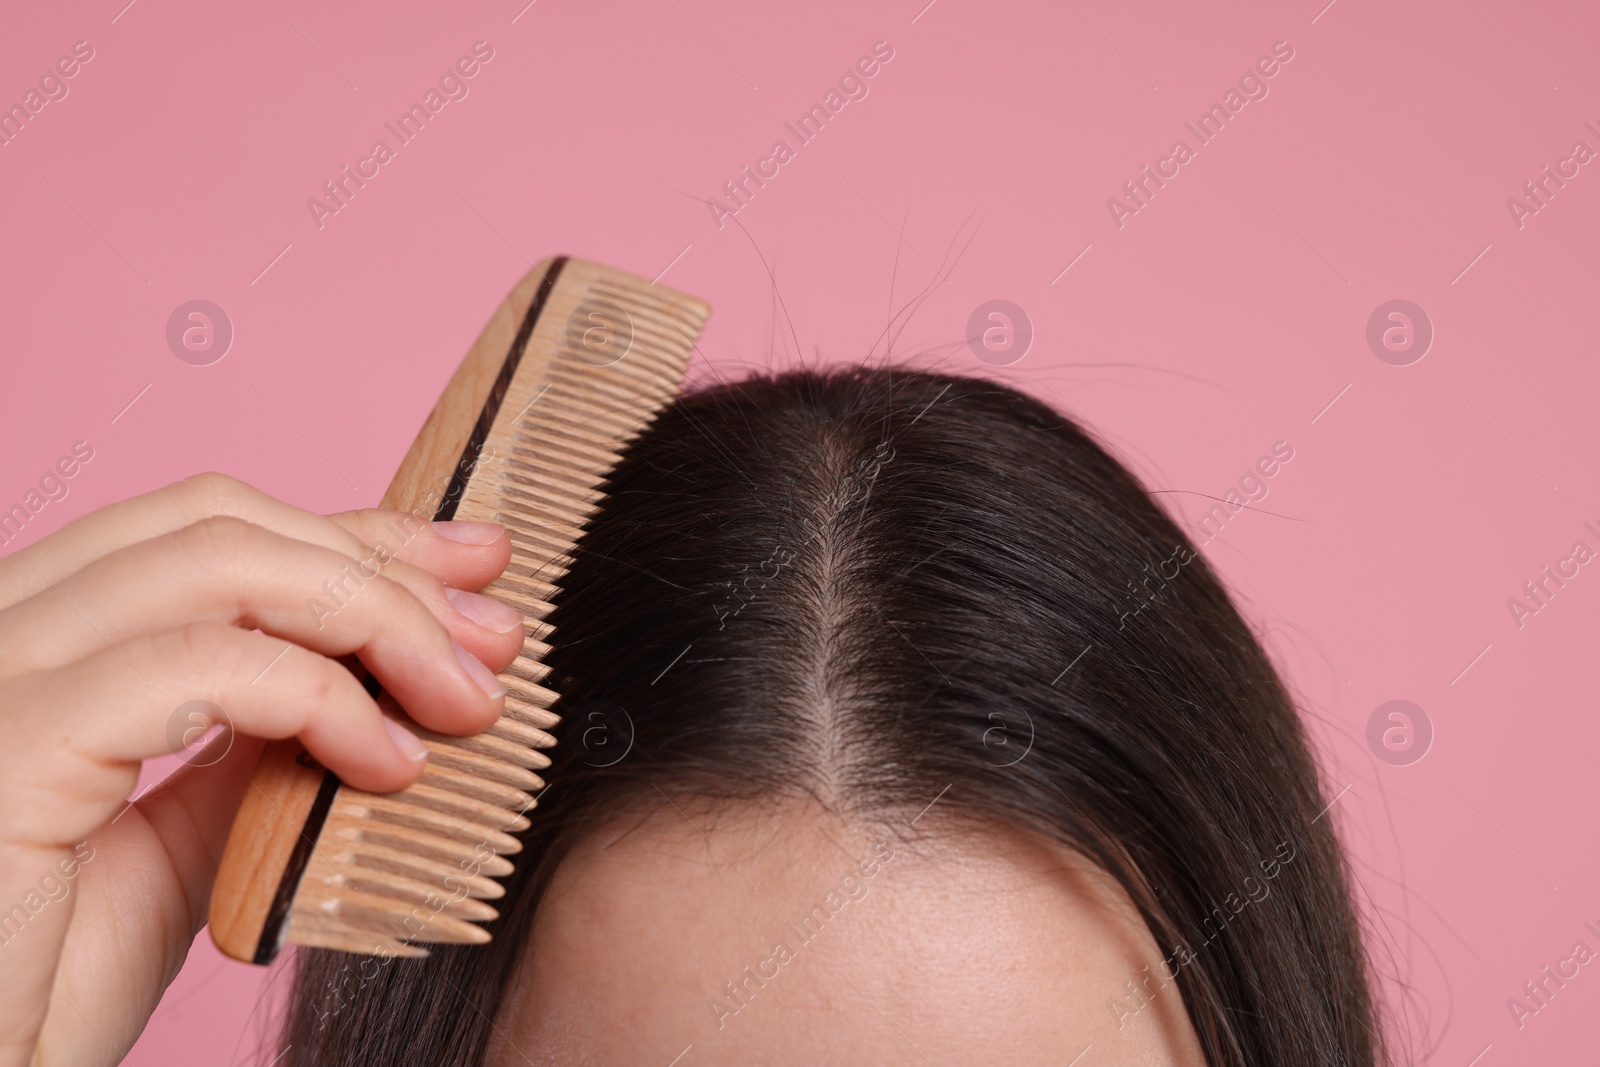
(24, 573)
(446, 561)
(68, 774)
(466, 555)
(227, 571)
(181, 504)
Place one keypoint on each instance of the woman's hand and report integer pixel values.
(109, 627)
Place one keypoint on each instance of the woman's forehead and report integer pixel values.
(786, 934)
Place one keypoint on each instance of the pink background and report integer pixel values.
(1223, 317)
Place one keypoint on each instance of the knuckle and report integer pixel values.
(204, 647)
(376, 535)
(218, 491)
(326, 684)
(405, 605)
(391, 606)
(395, 528)
(219, 538)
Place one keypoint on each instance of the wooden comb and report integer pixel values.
(576, 362)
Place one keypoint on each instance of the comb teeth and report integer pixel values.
(418, 865)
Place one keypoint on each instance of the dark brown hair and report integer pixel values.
(869, 584)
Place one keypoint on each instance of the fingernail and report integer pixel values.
(469, 533)
(486, 611)
(407, 742)
(479, 673)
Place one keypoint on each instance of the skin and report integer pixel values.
(107, 628)
(961, 946)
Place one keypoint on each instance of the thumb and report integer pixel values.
(142, 898)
